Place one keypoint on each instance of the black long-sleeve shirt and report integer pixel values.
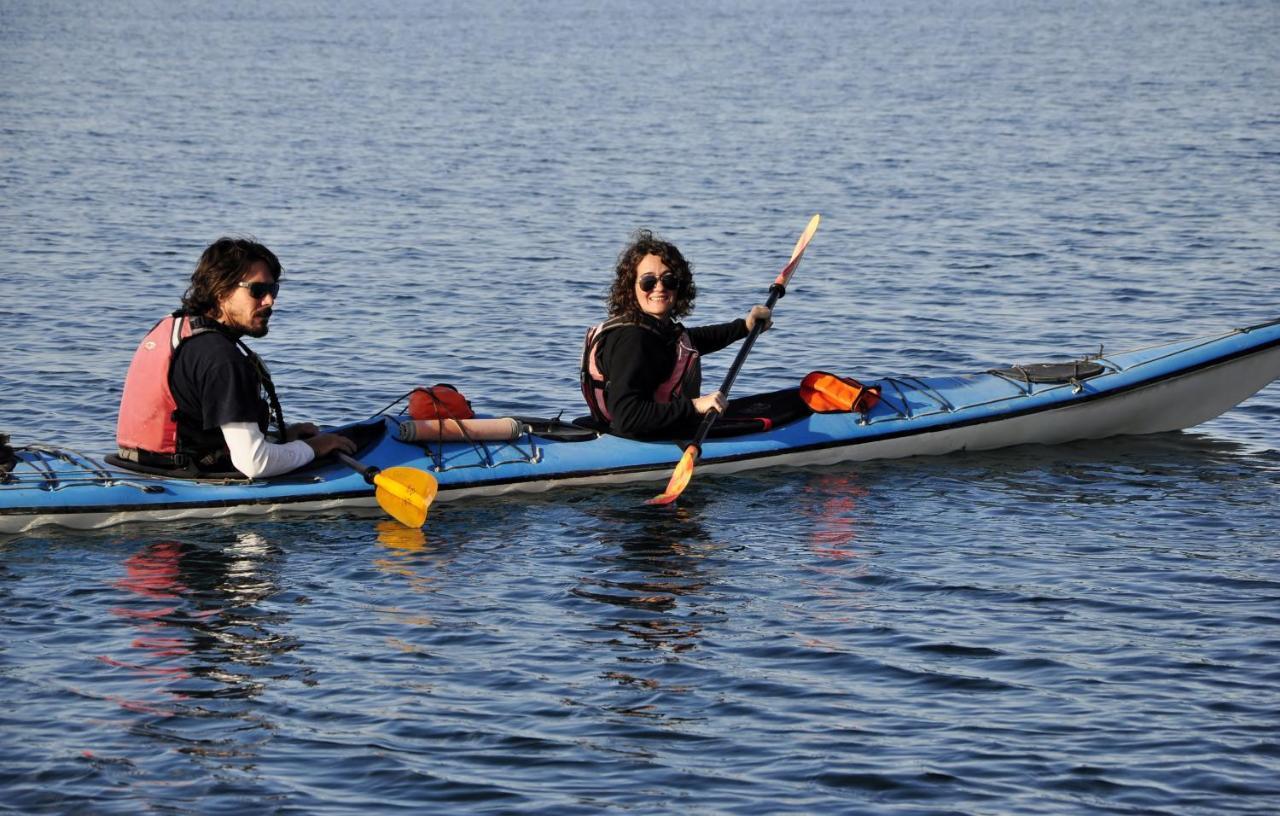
(635, 361)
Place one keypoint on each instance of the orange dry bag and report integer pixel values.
(440, 401)
(828, 394)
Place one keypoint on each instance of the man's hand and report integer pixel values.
(324, 444)
(300, 430)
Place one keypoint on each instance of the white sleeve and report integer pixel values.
(255, 457)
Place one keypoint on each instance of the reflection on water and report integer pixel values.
(206, 642)
(831, 507)
(656, 563)
(407, 553)
(650, 574)
(1081, 479)
(396, 536)
(202, 632)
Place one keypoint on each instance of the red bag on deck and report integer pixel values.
(440, 401)
(828, 394)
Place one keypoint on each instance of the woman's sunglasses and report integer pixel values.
(258, 290)
(670, 282)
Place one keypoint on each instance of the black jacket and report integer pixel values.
(635, 361)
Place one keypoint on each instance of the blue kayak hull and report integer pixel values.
(1151, 390)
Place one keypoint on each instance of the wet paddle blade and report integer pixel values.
(796, 254)
(405, 493)
(679, 478)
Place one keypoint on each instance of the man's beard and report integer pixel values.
(266, 325)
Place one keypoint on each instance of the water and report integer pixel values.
(1090, 628)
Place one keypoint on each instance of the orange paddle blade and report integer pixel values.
(679, 478)
(405, 493)
(796, 254)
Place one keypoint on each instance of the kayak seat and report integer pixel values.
(1050, 373)
(745, 415)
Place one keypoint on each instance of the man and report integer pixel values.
(196, 399)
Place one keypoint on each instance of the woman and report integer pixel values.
(640, 368)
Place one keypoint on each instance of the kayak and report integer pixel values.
(1160, 388)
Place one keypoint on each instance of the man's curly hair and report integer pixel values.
(622, 295)
(222, 265)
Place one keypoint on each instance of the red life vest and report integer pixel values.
(147, 426)
(147, 420)
(685, 378)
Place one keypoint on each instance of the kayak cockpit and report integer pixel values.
(752, 414)
(366, 434)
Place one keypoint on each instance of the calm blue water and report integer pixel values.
(1085, 629)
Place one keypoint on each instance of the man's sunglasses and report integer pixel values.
(258, 290)
(670, 282)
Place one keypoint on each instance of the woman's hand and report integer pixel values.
(758, 314)
(706, 402)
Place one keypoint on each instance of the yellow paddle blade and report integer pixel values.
(679, 478)
(405, 493)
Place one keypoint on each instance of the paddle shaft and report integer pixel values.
(369, 472)
(776, 291)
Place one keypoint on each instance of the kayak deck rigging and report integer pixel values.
(84, 470)
(479, 454)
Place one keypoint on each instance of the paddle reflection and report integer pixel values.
(410, 553)
(397, 537)
(201, 631)
(407, 552)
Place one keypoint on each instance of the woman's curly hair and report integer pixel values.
(222, 265)
(622, 295)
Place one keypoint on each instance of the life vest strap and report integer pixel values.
(166, 461)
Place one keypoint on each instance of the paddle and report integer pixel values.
(684, 468)
(404, 492)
